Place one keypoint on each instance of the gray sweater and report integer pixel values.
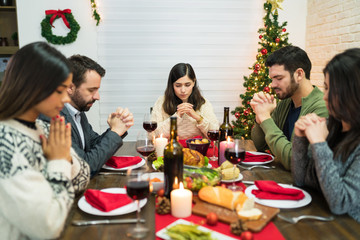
(315, 166)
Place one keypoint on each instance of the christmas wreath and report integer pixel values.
(69, 21)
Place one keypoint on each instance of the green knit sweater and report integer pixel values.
(269, 132)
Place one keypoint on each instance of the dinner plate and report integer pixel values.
(214, 235)
(240, 177)
(258, 163)
(140, 164)
(280, 203)
(131, 207)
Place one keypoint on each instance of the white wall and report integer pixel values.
(31, 13)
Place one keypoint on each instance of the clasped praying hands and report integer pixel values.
(263, 104)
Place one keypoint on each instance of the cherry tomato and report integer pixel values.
(211, 218)
(161, 192)
(247, 235)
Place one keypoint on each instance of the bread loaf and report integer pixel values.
(226, 198)
(251, 214)
(193, 157)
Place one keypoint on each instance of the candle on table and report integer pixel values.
(181, 202)
(224, 145)
(160, 144)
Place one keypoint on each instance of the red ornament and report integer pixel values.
(248, 102)
(257, 66)
(248, 88)
(246, 112)
(266, 89)
(237, 114)
(264, 51)
(277, 40)
(260, 36)
(284, 29)
(255, 72)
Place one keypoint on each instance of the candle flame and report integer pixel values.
(228, 139)
(161, 135)
(176, 180)
(181, 185)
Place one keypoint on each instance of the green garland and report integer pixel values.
(95, 15)
(46, 30)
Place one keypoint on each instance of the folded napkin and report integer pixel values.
(106, 201)
(272, 190)
(249, 157)
(121, 162)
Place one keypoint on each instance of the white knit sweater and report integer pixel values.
(35, 194)
(187, 126)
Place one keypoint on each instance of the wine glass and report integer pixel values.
(137, 188)
(213, 135)
(148, 124)
(235, 155)
(144, 144)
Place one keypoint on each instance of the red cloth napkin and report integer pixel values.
(249, 157)
(272, 190)
(121, 162)
(106, 201)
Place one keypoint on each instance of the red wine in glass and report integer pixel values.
(145, 150)
(213, 135)
(235, 156)
(137, 190)
(150, 125)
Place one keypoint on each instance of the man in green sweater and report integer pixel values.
(289, 69)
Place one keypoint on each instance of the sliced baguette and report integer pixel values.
(251, 214)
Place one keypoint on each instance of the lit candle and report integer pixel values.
(224, 145)
(160, 144)
(181, 202)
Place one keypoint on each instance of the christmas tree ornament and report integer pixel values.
(264, 51)
(237, 114)
(275, 4)
(284, 29)
(277, 40)
(260, 36)
(266, 89)
(257, 67)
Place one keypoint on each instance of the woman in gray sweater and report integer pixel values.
(326, 153)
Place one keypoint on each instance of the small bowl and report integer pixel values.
(156, 185)
(201, 148)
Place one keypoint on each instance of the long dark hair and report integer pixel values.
(344, 101)
(33, 73)
(171, 100)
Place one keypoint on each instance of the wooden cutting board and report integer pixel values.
(225, 215)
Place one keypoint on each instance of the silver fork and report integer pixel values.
(256, 166)
(296, 219)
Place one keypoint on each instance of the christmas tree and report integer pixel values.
(272, 37)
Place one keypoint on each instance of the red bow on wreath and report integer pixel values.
(59, 13)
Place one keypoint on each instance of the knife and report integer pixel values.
(109, 173)
(248, 182)
(105, 221)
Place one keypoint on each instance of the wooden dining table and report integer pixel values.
(342, 227)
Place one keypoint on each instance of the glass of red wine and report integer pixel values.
(148, 124)
(235, 155)
(137, 188)
(144, 144)
(213, 135)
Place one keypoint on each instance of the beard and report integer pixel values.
(81, 104)
(290, 90)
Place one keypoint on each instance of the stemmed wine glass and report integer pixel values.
(137, 188)
(144, 144)
(148, 124)
(213, 135)
(235, 154)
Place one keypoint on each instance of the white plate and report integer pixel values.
(140, 164)
(258, 163)
(215, 235)
(187, 166)
(280, 203)
(240, 177)
(131, 207)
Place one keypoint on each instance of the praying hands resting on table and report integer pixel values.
(312, 127)
(120, 121)
(188, 109)
(263, 104)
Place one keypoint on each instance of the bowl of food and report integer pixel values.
(156, 179)
(198, 144)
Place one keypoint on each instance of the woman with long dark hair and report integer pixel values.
(183, 99)
(332, 160)
(39, 172)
